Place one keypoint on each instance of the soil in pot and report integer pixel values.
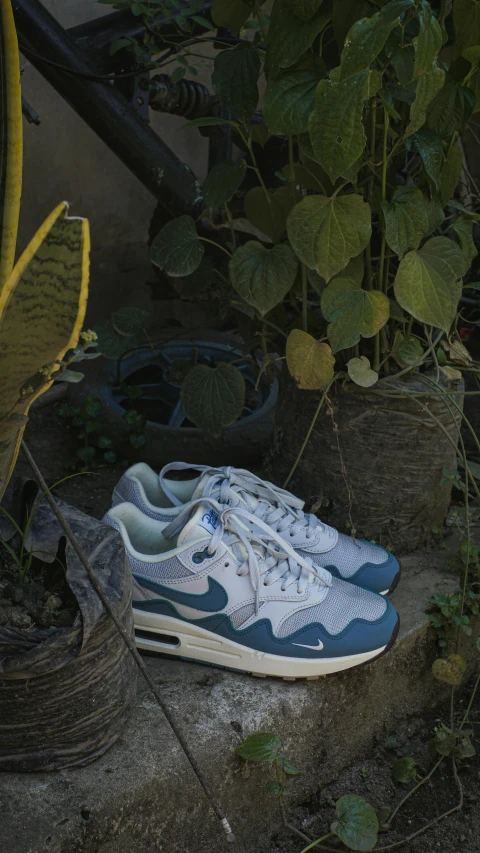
(374, 465)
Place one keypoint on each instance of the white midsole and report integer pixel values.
(199, 644)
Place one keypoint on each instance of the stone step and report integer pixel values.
(142, 796)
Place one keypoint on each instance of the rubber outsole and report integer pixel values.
(395, 582)
(147, 641)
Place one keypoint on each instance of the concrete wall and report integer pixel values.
(64, 160)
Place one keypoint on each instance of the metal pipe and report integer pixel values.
(105, 109)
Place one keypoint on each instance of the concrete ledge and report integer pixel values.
(143, 797)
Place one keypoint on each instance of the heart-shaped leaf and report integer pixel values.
(353, 313)
(406, 349)
(177, 248)
(452, 169)
(406, 219)
(366, 38)
(234, 80)
(356, 824)
(129, 320)
(289, 100)
(262, 746)
(213, 397)
(427, 282)
(430, 147)
(270, 215)
(428, 42)
(310, 362)
(289, 37)
(326, 232)
(361, 373)
(335, 125)
(450, 670)
(450, 109)
(427, 87)
(222, 182)
(262, 277)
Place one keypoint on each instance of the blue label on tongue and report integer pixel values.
(209, 520)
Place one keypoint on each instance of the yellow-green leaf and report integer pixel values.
(222, 182)
(366, 38)
(428, 42)
(450, 669)
(10, 140)
(336, 128)
(406, 219)
(406, 349)
(263, 277)
(352, 312)
(289, 100)
(326, 232)
(310, 362)
(427, 282)
(361, 373)
(42, 307)
(427, 87)
(235, 78)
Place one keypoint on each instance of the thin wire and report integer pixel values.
(130, 645)
(121, 75)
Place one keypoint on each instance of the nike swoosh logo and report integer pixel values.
(315, 648)
(214, 599)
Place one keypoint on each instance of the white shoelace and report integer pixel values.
(277, 560)
(280, 509)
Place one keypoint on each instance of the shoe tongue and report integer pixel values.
(201, 525)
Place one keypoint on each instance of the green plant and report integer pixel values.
(39, 332)
(96, 447)
(356, 824)
(360, 246)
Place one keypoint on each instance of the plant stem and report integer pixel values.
(230, 222)
(414, 789)
(456, 808)
(318, 841)
(260, 23)
(304, 299)
(218, 245)
(469, 706)
(310, 430)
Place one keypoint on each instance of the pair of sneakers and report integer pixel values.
(228, 570)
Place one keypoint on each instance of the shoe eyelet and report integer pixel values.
(226, 565)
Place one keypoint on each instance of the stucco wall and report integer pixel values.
(63, 159)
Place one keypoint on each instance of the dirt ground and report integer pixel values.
(372, 779)
(53, 446)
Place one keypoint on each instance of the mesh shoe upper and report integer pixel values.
(357, 561)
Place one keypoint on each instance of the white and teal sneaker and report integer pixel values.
(218, 586)
(161, 497)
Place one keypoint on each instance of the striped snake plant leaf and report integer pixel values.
(42, 308)
(10, 140)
